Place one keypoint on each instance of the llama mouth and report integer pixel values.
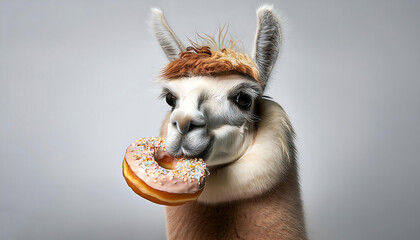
(190, 149)
(188, 152)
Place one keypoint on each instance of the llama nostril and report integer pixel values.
(183, 126)
(187, 125)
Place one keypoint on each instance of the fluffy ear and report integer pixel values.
(165, 36)
(267, 42)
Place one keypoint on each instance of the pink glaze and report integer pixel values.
(188, 175)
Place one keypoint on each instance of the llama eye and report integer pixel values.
(243, 100)
(170, 99)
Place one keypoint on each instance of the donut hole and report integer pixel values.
(164, 160)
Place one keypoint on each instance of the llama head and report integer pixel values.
(215, 91)
(212, 117)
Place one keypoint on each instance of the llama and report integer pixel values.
(219, 113)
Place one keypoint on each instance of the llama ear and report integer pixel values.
(267, 42)
(165, 36)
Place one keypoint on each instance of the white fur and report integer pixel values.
(261, 167)
(231, 142)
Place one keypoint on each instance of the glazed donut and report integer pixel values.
(160, 178)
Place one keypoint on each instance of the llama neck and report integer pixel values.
(276, 214)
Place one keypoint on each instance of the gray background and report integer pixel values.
(78, 85)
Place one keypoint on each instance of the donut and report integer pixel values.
(158, 177)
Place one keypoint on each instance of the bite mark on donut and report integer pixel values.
(164, 159)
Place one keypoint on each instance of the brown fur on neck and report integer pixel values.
(276, 214)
